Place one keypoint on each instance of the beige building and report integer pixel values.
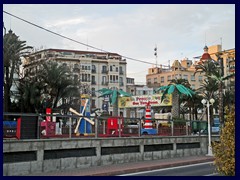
(185, 69)
(93, 70)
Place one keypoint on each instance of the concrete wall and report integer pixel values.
(36, 156)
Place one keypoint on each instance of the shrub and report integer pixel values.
(224, 151)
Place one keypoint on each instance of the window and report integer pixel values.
(148, 81)
(93, 69)
(104, 79)
(110, 68)
(185, 77)
(116, 69)
(93, 103)
(162, 79)
(132, 114)
(169, 78)
(120, 70)
(93, 80)
(93, 92)
(155, 80)
(104, 69)
(192, 78)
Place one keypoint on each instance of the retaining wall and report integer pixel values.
(44, 155)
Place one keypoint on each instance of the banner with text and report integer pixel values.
(141, 101)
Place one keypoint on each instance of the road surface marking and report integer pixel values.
(157, 170)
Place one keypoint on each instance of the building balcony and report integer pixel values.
(104, 71)
(121, 72)
(104, 83)
(113, 82)
(93, 83)
(94, 71)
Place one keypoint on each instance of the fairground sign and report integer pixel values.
(141, 101)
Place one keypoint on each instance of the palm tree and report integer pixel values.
(213, 82)
(113, 97)
(219, 79)
(13, 49)
(176, 90)
(30, 90)
(58, 82)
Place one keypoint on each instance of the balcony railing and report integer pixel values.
(113, 81)
(105, 83)
(104, 71)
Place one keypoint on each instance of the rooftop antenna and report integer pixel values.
(221, 41)
(87, 43)
(10, 22)
(205, 38)
(155, 53)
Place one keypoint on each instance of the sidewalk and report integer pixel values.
(117, 169)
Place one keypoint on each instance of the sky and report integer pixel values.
(131, 30)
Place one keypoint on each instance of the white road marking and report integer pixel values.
(212, 174)
(158, 170)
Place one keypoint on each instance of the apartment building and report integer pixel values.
(158, 76)
(93, 70)
(185, 69)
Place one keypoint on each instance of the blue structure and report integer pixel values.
(85, 126)
(148, 131)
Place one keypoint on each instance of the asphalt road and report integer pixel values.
(201, 169)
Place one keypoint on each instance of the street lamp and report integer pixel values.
(208, 104)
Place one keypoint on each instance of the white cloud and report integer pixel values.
(66, 22)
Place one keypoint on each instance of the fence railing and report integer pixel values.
(35, 126)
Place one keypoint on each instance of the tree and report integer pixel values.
(113, 97)
(224, 151)
(30, 90)
(58, 82)
(176, 90)
(219, 79)
(209, 86)
(214, 82)
(13, 49)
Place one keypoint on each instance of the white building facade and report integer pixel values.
(93, 70)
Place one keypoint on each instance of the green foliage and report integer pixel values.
(58, 81)
(13, 49)
(113, 94)
(224, 151)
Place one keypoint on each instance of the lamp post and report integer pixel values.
(208, 104)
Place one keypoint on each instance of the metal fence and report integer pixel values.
(40, 126)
